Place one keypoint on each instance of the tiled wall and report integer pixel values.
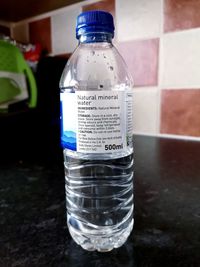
(160, 41)
(39, 31)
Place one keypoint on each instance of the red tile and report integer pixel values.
(180, 112)
(107, 5)
(40, 32)
(181, 14)
(142, 59)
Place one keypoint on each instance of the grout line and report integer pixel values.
(160, 67)
(144, 88)
(162, 17)
(116, 40)
(158, 119)
(145, 38)
(183, 87)
(184, 31)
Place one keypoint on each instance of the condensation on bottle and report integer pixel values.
(97, 137)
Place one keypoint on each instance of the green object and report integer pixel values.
(12, 60)
(10, 89)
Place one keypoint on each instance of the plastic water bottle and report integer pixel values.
(96, 134)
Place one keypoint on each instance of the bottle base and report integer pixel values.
(101, 243)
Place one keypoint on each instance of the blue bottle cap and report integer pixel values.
(94, 21)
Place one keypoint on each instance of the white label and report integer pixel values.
(96, 121)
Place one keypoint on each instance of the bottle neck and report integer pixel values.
(95, 37)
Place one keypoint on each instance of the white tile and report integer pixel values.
(63, 28)
(180, 60)
(146, 110)
(137, 19)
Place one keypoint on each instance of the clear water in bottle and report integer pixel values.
(96, 134)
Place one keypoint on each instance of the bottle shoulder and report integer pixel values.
(91, 63)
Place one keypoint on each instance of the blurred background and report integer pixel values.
(159, 39)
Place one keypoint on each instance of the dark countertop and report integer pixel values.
(33, 230)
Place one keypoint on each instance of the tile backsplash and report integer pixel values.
(142, 57)
(159, 40)
(40, 32)
(63, 31)
(180, 112)
(181, 14)
(138, 19)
